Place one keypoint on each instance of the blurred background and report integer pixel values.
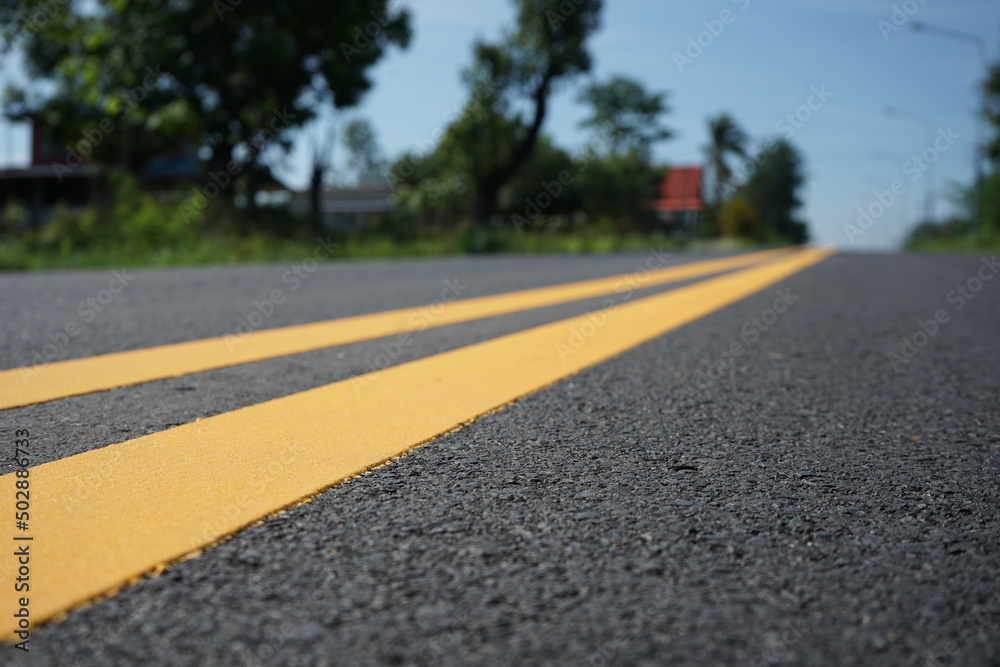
(180, 132)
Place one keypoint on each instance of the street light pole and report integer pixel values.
(906, 216)
(930, 128)
(977, 151)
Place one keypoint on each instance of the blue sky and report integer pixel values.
(763, 65)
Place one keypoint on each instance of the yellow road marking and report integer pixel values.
(49, 382)
(102, 518)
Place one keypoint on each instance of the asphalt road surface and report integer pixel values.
(818, 486)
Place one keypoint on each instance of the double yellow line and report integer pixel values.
(104, 518)
(48, 382)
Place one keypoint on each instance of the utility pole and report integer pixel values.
(977, 152)
(930, 130)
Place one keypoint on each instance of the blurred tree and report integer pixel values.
(738, 218)
(626, 114)
(322, 161)
(545, 185)
(991, 93)
(236, 77)
(365, 157)
(427, 189)
(991, 187)
(773, 190)
(963, 198)
(959, 232)
(90, 86)
(617, 189)
(725, 139)
(510, 83)
(991, 204)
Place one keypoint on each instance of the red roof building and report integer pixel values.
(679, 200)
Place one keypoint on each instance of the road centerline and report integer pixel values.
(30, 385)
(107, 516)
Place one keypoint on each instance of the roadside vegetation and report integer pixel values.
(244, 81)
(963, 233)
(139, 229)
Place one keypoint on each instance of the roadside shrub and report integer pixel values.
(739, 218)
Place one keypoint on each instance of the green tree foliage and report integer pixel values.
(428, 189)
(726, 139)
(510, 84)
(965, 197)
(738, 218)
(618, 189)
(773, 190)
(991, 187)
(546, 185)
(102, 96)
(234, 76)
(364, 155)
(991, 203)
(959, 233)
(610, 190)
(626, 114)
(991, 93)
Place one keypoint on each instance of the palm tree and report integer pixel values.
(726, 138)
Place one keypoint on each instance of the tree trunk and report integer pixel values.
(251, 191)
(251, 182)
(488, 191)
(222, 154)
(315, 190)
(486, 202)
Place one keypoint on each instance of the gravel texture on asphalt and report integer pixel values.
(81, 423)
(800, 503)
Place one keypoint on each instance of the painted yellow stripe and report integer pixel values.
(49, 382)
(102, 518)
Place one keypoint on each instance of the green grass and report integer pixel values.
(984, 242)
(133, 227)
(21, 253)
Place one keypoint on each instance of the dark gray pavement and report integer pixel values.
(802, 503)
